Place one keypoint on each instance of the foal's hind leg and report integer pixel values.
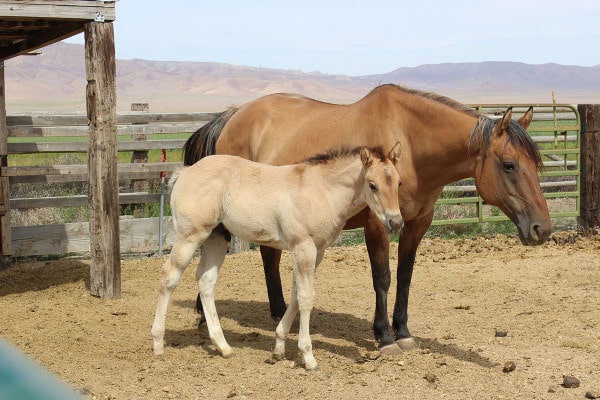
(181, 254)
(213, 254)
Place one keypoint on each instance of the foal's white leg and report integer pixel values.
(180, 256)
(284, 326)
(304, 257)
(213, 254)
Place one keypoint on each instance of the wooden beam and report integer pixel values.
(100, 65)
(5, 231)
(589, 219)
(58, 9)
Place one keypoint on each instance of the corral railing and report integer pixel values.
(143, 138)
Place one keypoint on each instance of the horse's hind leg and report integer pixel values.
(213, 254)
(180, 256)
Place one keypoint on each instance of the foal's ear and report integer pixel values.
(366, 157)
(395, 152)
(526, 119)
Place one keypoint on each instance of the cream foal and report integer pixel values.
(301, 208)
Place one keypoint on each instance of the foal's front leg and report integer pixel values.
(213, 254)
(304, 258)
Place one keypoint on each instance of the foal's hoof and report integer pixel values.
(391, 350)
(407, 343)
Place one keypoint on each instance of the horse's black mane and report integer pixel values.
(517, 136)
(333, 154)
(480, 135)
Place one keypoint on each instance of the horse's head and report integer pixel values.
(381, 187)
(506, 175)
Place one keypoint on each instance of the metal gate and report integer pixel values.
(556, 128)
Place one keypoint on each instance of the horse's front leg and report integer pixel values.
(410, 238)
(213, 255)
(271, 258)
(378, 247)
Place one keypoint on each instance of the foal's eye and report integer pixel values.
(373, 186)
(508, 166)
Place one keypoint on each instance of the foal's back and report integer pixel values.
(252, 200)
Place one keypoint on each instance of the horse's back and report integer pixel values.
(286, 128)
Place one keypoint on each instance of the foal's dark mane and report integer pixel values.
(480, 135)
(334, 154)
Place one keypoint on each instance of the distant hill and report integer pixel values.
(55, 81)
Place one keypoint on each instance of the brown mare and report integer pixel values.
(442, 141)
(301, 207)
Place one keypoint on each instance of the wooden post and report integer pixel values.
(100, 66)
(5, 236)
(589, 219)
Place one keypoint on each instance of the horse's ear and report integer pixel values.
(505, 121)
(395, 152)
(366, 157)
(526, 119)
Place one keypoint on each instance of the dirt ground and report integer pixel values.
(464, 294)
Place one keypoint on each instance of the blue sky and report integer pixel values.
(358, 37)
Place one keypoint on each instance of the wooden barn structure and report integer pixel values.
(28, 25)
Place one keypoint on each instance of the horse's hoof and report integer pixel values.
(277, 357)
(228, 353)
(407, 343)
(313, 369)
(391, 350)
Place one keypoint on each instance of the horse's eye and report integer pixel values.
(373, 186)
(508, 166)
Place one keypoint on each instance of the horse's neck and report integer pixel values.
(445, 145)
(343, 179)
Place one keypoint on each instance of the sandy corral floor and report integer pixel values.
(464, 295)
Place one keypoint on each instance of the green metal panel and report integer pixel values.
(556, 128)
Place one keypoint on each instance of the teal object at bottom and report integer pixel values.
(23, 379)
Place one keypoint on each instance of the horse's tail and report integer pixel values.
(202, 143)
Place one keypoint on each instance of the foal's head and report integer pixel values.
(506, 174)
(381, 186)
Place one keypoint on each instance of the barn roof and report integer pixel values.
(27, 25)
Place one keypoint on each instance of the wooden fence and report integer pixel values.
(556, 128)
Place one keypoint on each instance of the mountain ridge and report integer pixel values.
(55, 81)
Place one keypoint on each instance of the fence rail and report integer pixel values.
(556, 129)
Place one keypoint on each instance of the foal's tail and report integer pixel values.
(202, 143)
(174, 178)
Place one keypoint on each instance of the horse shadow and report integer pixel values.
(338, 333)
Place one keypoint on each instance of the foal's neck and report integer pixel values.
(344, 179)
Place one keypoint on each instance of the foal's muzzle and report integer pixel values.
(393, 223)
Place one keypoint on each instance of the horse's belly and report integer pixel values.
(255, 230)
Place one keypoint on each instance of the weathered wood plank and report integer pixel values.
(5, 231)
(81, 130)
(81, 147)
(82, 200)
(589, 219)
(122, 118)
(136, 235)
(77, 170)
(58, 9)
(100, 67)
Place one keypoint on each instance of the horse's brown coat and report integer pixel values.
(436, 136)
